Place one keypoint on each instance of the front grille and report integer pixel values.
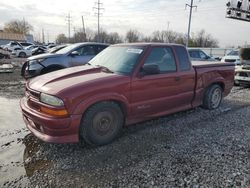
(32, 98)
(32, 93)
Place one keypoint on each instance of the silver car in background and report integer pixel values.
(70, 56)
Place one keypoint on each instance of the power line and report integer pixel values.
(98, 8)
(190, 19)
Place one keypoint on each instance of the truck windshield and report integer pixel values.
(120, 59)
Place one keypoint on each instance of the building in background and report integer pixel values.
(5, 38)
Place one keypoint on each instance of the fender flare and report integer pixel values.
(83, 106)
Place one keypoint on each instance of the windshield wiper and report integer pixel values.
(105, 69)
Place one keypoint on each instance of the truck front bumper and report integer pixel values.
(51, 129)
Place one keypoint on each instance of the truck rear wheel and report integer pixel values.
(102, 123)
(212, 97)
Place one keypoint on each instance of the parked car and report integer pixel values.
(31, 47)
(21, 52)
(72, 55)
(199, 55)
(233, 57)
(242, 72)
(12, 45)
(4, 54)
(57, 48)
(122, 85)
(26, 44)
(39, 50)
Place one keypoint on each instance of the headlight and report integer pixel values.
(32, 62)
(51, 100)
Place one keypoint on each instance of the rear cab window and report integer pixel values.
(182, 55)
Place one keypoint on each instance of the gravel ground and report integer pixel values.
(195, 148)
(12, 84)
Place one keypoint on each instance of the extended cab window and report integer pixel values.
(183, 58)
(163, 57)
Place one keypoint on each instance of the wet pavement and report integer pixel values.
(12, 133)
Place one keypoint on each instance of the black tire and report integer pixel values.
(236, 83)
(102, 123)
(22, 54)
(212, 97)
(23, 69)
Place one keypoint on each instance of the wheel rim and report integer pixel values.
(216, 98)
(104, 123)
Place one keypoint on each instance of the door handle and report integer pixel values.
(177, 78)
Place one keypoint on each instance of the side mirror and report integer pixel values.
(150, 69)
(74, 53)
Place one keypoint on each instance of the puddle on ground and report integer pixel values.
(18, 147)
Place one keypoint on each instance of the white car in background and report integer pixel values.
(21, 52)
(233, 57)
(14, 45)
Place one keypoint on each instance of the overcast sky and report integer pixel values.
(120, 15)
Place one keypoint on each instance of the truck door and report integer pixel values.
(162, 92)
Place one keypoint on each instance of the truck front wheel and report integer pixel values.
(102, 123)
(212, 97)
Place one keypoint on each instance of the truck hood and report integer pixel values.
(56, 82)
(43, 56)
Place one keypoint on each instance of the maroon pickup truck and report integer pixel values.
(124, 84)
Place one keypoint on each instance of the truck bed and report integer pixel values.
(205, 64)
(209, 72)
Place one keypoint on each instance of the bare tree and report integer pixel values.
(18, 26)
(202, 39)
(132, 36)
(61, 38)
(79, 37)
(171, 36)
(146, 39)
(114, 38)
(164, 36)
(158, 36)
(103, 37)
(90, 34)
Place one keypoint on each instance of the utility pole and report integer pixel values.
(74, 34)
(98, 8)
(168, 25)
(190, 19)
(83, 26)
(48, 37)
(24, 26)
(68, 19)
(43, 36)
